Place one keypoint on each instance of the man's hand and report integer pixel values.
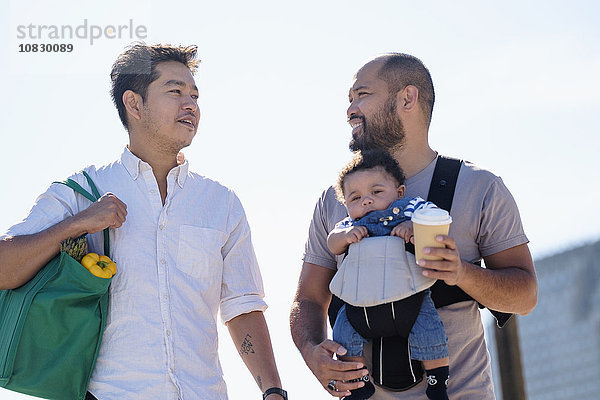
(308, 323)
(450, 269)
(107, 212)
(322, 364)
(508, 282)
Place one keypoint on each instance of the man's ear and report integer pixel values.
(408, 98)
(133, 104)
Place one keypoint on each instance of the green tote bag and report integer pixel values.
(51, 327)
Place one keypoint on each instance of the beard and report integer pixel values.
(384, 130)
(167, 142)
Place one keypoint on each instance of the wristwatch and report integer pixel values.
(275, 390)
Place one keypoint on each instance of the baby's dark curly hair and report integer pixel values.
(364, 160)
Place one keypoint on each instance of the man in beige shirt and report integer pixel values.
(391, 101)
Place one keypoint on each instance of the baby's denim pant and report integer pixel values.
(427, 339)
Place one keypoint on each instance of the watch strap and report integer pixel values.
(275, 390)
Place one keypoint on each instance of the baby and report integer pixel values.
(372, 188)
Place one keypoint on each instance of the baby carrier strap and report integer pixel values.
(441, 193)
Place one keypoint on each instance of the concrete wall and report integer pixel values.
(560, 339)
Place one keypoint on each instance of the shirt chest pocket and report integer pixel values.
(199, 253)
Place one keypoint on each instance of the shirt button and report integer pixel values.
(168, 332)
(162, 261)
(161, 227)
(153, 191)
(166, 296)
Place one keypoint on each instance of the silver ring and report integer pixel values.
(331, 385)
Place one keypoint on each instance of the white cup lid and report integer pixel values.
(431, 216)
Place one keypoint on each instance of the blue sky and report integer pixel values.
(517, 92)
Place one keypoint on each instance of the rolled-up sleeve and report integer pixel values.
(50, 208)
(241, 288)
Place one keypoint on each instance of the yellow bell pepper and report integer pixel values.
(110, 265)
(101, 266)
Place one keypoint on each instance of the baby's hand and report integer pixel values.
(340, 238)
(403, 230)
(355, 234)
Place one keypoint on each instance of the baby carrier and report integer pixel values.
(389, 325)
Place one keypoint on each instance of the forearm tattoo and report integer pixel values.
(247, 347)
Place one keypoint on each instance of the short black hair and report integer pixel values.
(400, 70)
(365, 160)
(135, 69)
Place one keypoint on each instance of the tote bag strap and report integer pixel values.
(93, 198)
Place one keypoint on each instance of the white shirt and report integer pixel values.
(178, 266)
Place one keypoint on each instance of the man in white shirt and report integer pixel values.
(181, 242)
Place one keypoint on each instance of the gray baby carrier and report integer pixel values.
(388, 325)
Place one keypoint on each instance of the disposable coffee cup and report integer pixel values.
(427, 224)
